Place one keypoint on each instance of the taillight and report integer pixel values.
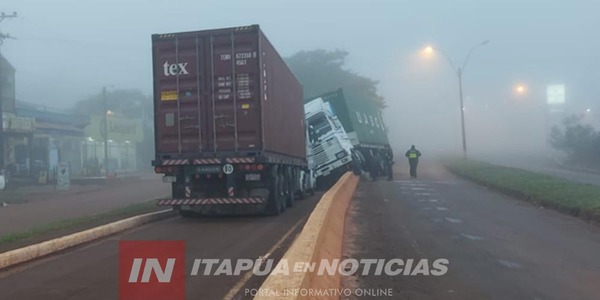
(158, 170)
(260, 167)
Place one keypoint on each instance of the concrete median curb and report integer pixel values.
(28, 253)
(321, 238)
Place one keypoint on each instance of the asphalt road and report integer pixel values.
(91, 272)
(497, 247)
(68, 205)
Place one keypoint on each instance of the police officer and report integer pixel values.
(413, 159)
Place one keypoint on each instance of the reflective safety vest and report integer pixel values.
(412, 155)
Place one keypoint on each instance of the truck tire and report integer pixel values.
(274, 202)
(290, 187)
(282, 191)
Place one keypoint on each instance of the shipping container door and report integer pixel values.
(236, 122)
(180, 93)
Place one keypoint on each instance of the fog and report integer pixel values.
(67, 50)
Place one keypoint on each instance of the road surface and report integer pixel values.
(91, 272)
(497, 247)
(59, 207)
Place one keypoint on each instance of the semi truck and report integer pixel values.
(330, 153)
(366, 132)
(230, 133)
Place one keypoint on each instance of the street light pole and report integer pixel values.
(2, 38)
(462, 112)
(105, 111)
(459, 73)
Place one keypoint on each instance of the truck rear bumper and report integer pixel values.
(212, 201)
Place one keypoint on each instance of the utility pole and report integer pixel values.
(462, 113)
(2, 38)
(459, 73)
(105, 112)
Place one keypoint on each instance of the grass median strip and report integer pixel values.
(63, 227)
(582, 200)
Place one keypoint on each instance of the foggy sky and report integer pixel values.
(67, 50)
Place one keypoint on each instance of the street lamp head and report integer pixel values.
(520, 89)
(428, 51)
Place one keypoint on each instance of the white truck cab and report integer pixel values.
(329, 148)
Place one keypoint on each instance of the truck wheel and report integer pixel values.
(273, 204)
(290, 187)
(282, 192)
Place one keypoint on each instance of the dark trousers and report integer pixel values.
(413, 162)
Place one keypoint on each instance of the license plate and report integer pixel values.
(252, 177)
(169, 179)
(208, 169)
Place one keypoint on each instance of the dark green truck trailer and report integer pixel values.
(365, 128)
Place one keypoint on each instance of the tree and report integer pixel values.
(130, 103)
(322, 71)
(580, 142)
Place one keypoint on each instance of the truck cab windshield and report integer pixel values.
(320, 125)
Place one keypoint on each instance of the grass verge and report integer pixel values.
(64, 227)
(578, 199)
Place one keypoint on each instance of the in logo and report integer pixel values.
(151, 270)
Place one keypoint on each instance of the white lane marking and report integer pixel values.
(441, 208)
(451, 220)
(509, 264)
(422, 200)
(234, 290)
(418, 188)
(423, 194)
(472, 237)
(433, 200)
(386, 200)
(426, 208)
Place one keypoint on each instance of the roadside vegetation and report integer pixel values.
(581, 200)
(579, 141)
(64, 227)
(322, 71)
